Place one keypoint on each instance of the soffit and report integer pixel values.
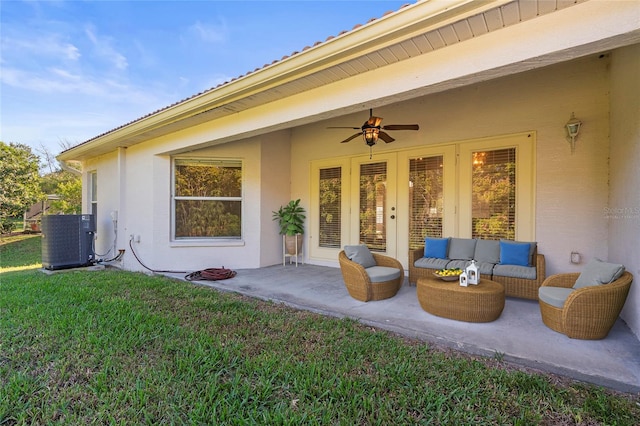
(444, 30)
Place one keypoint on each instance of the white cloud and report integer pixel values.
(49, 45)
(209, 33)
(103, 47)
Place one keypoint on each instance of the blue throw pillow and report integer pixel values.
(514, 253)
(436, 247)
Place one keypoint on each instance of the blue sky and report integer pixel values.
(71, 70)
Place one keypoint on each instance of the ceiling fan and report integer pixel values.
(371, 130)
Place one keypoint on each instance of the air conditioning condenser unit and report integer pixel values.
(67, 241)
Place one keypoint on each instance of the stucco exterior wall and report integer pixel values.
(141, 195)
(571, 188)
(106, 167)
(623, 208)
(275, 184)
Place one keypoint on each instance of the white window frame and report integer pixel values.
(93, 192)
(206, 241)
(525, 145)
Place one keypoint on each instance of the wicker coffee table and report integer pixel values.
(483, 302)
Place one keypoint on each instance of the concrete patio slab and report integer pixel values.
(517, 336)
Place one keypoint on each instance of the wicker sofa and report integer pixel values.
(492, 261)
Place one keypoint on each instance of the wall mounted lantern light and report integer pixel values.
(573, 128)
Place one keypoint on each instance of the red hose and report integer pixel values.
(211, 274)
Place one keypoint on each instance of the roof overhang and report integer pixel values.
(414, 31)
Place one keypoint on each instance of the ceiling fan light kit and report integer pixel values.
(371, 130)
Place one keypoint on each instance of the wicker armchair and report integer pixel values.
(359, 284)
(588, 312)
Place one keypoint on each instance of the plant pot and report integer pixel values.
(290, 243)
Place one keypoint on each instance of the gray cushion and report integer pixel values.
(532, 252)
(598, 272)
(378, 274)
(462, 248)
(431, 262)
(554, 296)
(515, 271)
(462, 264)
(487, 251)
(485, 269)
(360, 254)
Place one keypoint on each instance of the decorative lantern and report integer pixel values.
(473, 275)
(463, 279)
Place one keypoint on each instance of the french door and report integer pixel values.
(373, 206)
(482, 188)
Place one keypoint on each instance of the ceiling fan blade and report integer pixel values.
(351, 137)
(401, 127)
(385, 137)
(340, 127)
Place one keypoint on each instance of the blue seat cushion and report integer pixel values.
(554, 296)
(378, 274)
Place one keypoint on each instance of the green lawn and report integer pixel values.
(127, 348)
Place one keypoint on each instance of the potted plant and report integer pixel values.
(290, 218)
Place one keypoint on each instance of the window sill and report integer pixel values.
(206, 243)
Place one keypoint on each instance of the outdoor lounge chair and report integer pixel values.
(370, 276)
(582, 312)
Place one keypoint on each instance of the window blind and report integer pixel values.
(425, 199)
(494, 194)
(330, 213)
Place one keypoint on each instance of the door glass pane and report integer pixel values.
(373, 195)
(494, 194)
(425, 199)
(330, 203)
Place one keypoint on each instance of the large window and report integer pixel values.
(207, 199)
(93, 195)
(497, 188)
(493, 190)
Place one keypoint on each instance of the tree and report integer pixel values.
(70, 193)
(68, 187)
(19, 180)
